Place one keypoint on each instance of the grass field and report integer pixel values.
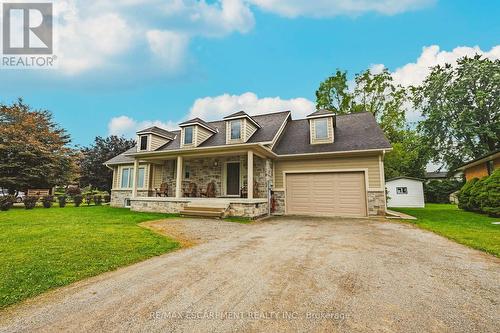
(45, 248)
(471, 229)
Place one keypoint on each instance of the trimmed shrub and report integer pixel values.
(62, 201)
(438, 191)
(88, 199)
(98, 200)
(481, 195)
(47, 201)
(6, 202)
(77, 200)
(73, 190)
(490, 195)
(30, 202)
(107, 198)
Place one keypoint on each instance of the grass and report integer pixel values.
(46, 248)
(471, 229)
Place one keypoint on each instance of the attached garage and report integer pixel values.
(326, 194)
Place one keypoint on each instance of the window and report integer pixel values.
(321, 128)
(188, 135)
(187, 172)
(140, 181)
(126, 203)
(402, 190)
(128, 177)
(144, 143)
(490, 167)
(235, 130)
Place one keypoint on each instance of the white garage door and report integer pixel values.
(326, 194)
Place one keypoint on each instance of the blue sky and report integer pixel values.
(157, 61)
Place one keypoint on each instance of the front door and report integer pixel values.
(233, 178)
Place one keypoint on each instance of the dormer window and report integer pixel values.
(235, 130)
(188, 135)
(143, 142)
(321, 130)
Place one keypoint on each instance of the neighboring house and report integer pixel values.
(436, 175)
(405, 192)
(482, 166)
(323, 165)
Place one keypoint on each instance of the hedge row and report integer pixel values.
(482, 195)
(6, 202)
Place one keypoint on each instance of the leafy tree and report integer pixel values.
(33, 149)
(408, 157)
(438, 191)
(377, 94)
(333, 94)
(93, 172)
(461, 107)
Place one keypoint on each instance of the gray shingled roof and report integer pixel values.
(200, 121)
(242, 114)
(272, 121)
(121, 159)
(356, 131)
(158, 131)
(321, 112)
(436, 174)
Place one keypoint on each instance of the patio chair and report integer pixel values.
(162, 191)
(191, 191)
(210, 192)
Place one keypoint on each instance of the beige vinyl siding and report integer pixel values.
(249, 130)
(312, 129)
(202, 135)
(371, 163)
(228, 132)
(117, 185)
(115, 177)
(157, 142)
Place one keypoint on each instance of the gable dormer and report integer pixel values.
(240, 127)
(194, 132)
(153, 138)
(321, 127)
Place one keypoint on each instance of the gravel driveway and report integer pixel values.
(282, 274)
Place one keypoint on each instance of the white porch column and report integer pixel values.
(178, 182)
(250, 175)
(135, 178)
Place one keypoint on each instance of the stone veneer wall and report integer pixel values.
(249, 210)
(376, 203)
(279, 202)
(118, 197)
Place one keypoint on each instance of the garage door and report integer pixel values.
(326, 194)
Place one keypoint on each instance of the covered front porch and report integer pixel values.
(236, 181)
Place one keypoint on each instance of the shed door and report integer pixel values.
(326, 194)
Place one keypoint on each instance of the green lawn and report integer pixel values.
(45, 248)
(471, 229)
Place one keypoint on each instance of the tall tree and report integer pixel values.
(333, 94)
(34, 150)
(377, 94)
(408, 157)
(93, 172)
(461, 107)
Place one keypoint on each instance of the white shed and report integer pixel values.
(405, 192)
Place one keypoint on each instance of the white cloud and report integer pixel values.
(212, 108)
(215, 108)
(126, 126)
(169, 48)
(415, 73)
(328, 8)
(102, 35)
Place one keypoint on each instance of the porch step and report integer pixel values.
(203, 211)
